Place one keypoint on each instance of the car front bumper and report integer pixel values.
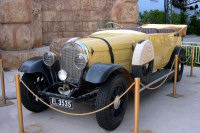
(52, 91)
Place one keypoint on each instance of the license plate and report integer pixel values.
(61, 102)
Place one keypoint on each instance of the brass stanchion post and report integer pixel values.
(192, 62)
(19, 105)
(137, 105)
(175, 75)
(2, 83)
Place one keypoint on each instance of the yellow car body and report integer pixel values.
(123, 40)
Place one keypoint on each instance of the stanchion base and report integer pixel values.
(142, 131)
(8, 103)
(197, 83)
(191, 76)
(34, 128)
(177, 95)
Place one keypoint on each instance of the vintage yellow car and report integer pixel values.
(98, 68)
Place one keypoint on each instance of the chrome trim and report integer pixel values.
(83, 46)
(73, 39)
(74, 73)
(53, 56)
(85, 58)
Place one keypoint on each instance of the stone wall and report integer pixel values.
(20, 25)
(20, 31)
(69, 18)
(27, 24)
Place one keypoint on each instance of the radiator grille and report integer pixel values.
(68, 53)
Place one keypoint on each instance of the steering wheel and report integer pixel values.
(112, 23)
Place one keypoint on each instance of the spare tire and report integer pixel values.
(143, 72)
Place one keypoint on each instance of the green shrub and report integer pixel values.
(194, 24)
(179, 18)
(152, 17)
(158, 17)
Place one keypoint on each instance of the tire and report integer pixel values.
(181, 54)
(180, 67)
(111, 117)
(143, 72)
(35, 82)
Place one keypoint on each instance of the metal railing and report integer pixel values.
(188, 50)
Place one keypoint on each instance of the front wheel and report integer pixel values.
(35, 82)
(111, 117)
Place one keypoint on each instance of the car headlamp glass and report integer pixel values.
(49, 58)
(80, 61)
(62, 75)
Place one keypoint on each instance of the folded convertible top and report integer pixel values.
(181, 29)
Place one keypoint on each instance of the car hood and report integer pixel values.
(118, 39)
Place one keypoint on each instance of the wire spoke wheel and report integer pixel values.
(110, 91)
(36, 82)
(180, 68)
(116, 109)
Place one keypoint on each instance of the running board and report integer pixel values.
(157, 77)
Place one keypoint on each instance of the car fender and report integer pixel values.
(177, 51)
(143, 53)
(35, 65)
(99, 73)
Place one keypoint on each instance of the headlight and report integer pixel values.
(49, 58)
(62, 75)
(80, 61)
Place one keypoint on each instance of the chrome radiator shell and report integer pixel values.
(68, 53)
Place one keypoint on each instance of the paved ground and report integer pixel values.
(191, 38)
(158, 113)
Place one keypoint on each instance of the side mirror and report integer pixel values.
(176, 34)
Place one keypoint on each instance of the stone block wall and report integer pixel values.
(70, 18)
(27, 24)
(20, 25)
(20, 31)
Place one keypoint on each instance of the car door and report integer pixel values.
(168, 46)
(158, 42)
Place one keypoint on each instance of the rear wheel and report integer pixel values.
(180, 67)
(35, 82)
(112, 89)
(182, 58)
